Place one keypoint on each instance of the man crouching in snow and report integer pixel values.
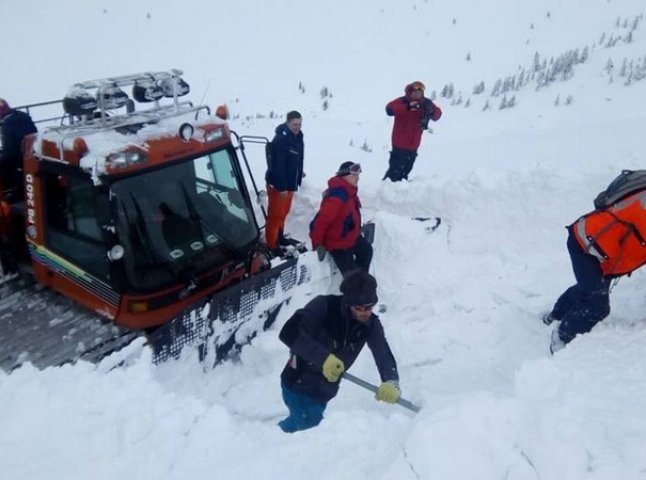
(325, 338)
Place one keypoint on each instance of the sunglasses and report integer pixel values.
(364, 308)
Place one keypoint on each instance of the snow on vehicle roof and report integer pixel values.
(114, 134)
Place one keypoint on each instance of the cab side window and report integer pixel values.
(72, 227)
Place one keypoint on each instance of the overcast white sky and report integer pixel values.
(464, 303)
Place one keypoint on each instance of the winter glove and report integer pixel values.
(388, 392)
(333, 368)
(320, 252)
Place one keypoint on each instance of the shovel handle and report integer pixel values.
(373, 388)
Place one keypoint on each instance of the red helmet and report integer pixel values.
(415, 86)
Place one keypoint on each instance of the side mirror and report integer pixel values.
(116, 253)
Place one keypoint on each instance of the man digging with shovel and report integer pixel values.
(325, 338)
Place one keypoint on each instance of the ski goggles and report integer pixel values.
(354, 169)
(364, 308)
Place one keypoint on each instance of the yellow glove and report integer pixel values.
(333, 368)
(388, 392)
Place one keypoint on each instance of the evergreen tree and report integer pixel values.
(609, 66)
(479, 88)
(537, 62)
(496, 88)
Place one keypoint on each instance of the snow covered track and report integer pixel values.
(46, 329)
(232, 317)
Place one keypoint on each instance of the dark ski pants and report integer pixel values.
(585, 304)
(304, 411)
(358, 256)
(400, 164)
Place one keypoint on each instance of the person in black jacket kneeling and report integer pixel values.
(325, 338)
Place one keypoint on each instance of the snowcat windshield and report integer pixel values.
(182, 219)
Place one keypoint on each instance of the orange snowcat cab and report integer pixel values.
(142, 216)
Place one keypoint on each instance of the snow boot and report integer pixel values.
(556, 343)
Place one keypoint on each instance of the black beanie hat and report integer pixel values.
(359, 288)
(344, 169)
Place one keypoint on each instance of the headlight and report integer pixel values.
(125, 159)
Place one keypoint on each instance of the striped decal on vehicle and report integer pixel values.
(75, 274)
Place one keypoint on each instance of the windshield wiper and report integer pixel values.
(201, 223)
(143, 241)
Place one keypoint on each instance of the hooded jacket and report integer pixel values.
(410, 123)
(616, 236)
(325, 326)
(14, 126)
(337, 225)
(285, 169)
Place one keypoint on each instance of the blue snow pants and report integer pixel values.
(586, 303)
(304, 411)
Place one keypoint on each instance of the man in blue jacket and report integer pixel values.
(284, 174)
(325, 338)
(14, 126)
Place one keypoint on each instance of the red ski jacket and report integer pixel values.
(337, 224)
(411, 122)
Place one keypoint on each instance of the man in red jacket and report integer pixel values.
(337, 225)
(412, 113)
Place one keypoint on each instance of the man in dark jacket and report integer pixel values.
(284, 174)
(412, 113)
(14, 126)
(337, 225)
(325, 338)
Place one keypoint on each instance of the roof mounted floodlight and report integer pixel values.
(146, 91)
(174, 86)
(78, 101)
(112, 97)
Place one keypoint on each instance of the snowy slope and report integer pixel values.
(464, 302)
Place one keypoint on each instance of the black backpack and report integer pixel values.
(627, 183)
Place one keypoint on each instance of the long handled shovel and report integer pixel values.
(373, 388)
